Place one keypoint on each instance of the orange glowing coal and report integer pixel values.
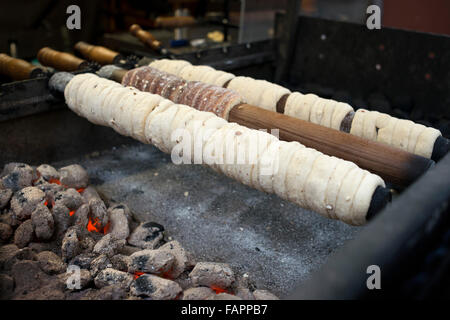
(80, 190)
(71, 213)
(218, 290)
(55, 181)
(94, 226)
(137, 274)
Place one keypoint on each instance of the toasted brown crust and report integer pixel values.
(281, 104)
(346, 123)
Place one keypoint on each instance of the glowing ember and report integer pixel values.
(93, 226)
(80, 190)
(55, 181)
(167, 274)
(106, 228)
(137, 274)
(218, 290)
(71, 213)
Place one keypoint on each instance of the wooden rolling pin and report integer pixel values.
(18, 69)
(145, 37)
(394, 165)
(60, 60)
(175, 22)
(98, 54)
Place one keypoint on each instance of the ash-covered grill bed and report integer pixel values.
(279, 244)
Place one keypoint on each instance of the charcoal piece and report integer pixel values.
(89, 193)
(128, 250)
(28, 276)
(16, 176)
(62, 219)
(184, 280)
(151, 261)
(69, 198)
(264, 295)
(99, 213)
(5, 196)
(43, 223)
(74, 176)
(107, 293)
(120, 262)
(108, 245)
(82, 215)
(8, 256)
(183, 259)
(5, 232)
(9, 219)
(6, 286)
(118, 219)
(23, 202)
(155, 288)
(83, 260)
(147, 235)
(70, 247)
(50, 190)
(44, 246)
(100, 263)
(87, 243)
(85, 280)
(244, 294)
(199, 293)
(24, 234)
(47, 172)
(224, 296)
(110, 276)
(26, 254)
(211, 274)
(50, 263)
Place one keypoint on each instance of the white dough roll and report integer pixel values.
(140, 113)
(264, 140)
(317, 111)
(194, 124)
(399, 133)
(317, 182)
(299, 105)
(268, 165)
(287, 152)
(425, 142)
(302, 164)
(349, 187)
(363, 197)
(334, 186)
(330, 186)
